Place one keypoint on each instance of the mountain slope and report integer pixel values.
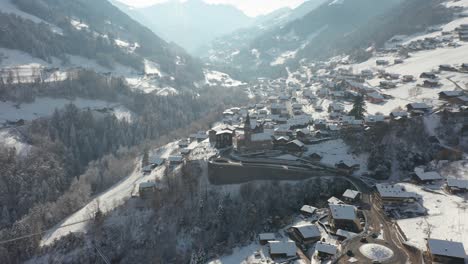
(95, 30)
(192, 23)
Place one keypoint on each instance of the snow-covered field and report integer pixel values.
(110, 199)
(447, 217)
(45, 106)
(334, 151)
(213, 78)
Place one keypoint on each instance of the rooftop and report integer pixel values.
(325, 248)
(308, 231)
(343, 211)
(288, 248)
(446, 248)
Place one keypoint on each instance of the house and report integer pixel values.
(175, 160)
(425, 177)
(308, 210)
(381, 62)
(224, 139)
(387, 84)
(462, 100)
(305, 234)
(185, 151)
(428, 75)
(373, 119)
(295, 146)
(343, 216)
(449, 95)
(184, 143)
(444, 251)
(457, 185)
(325, 250)
(335, 107)
(334, 200)
(347, 166)
(407, 78)
(398, 115)
(315, 156)
(351, 195)
(148, 169)
(375, 98)
(398, 61)
(431, 83)
(418, 108)
(447, 67)
(394, 194)
(148, 189)
(265, 238)
(286, 249)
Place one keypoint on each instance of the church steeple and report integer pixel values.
(247, 128)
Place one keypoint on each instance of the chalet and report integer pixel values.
(374, 119)
(447, 67)
(398, 61)
(394, 194)
(223, 138)
(265, 238)
(148, 189)
(175, 160)
(325, 250)
(295, 146)
(426, 177)
(344, 216)
(281, 140)
(351, 195)
(315, 156)
(183, 143)
(449, 95)
(431, 83)
(147, 169)
(444, 251)
(305, 234)
(464, 66)
(335, 107)
(381, 62)
(457, 185)
(334, 200)
(407, 78)
(297, 106)
(308, 210)
(155, 161)
(185, 151)
(367, 74)
(347, 166)
(387, 84)
(375, 98)
(462, 100)
(418, 108)
(318, 108)
(398, 115)
(279, 249)
(277, 109)
(428, 75)
(283, 130)
(302, 133)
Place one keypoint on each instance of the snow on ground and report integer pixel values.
(334, 151)
(243, 255)
(213, 78)
(10, 139)
(45, 106)
(446, 219)
(78, 25)
(376, 252)
(108, 200)
(281, 59)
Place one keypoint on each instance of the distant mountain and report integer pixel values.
(190, 24)
(96, 30)
(267, 50)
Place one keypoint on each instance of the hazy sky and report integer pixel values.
(250, 7)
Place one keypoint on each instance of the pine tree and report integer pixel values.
(359, 108)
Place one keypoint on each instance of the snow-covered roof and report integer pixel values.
(334, 200)
(297, 143)
(308, 231)
(288, 248)
(419, 106)
(266, 236)
(343, 211)
(175, 158)
(393, 191)
(345, 233)
(446, 248)
(224, 132)
(458, 183)
(325, 248)
(352, 194)
(427, 176)
(308, 209)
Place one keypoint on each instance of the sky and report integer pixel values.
(250, 7)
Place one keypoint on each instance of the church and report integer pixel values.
(253, 137)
